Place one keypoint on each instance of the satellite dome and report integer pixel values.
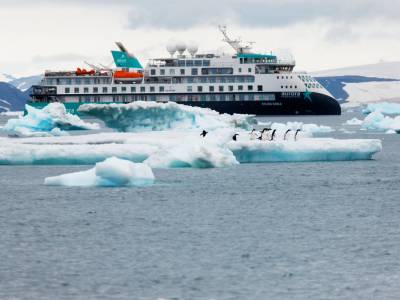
(192, 48)
(181, 47)
(171, 47)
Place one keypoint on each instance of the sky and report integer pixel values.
(38, 35)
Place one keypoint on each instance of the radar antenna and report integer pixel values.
(235, 44)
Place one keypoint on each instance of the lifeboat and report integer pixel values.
(82, 72)
(127, 75)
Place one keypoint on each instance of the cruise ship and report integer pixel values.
(242, 82)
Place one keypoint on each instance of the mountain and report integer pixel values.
(25, 83)
(11, 98)
(362, 84)
(6, 77)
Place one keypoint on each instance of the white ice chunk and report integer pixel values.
(387, 108)
(147, 116)
(354, 121)
(377, 121)
(43, 122)
(111, 172)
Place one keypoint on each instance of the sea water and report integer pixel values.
(323, 230)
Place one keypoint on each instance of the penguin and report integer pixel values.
(273, 135)
(264, 134)
(204, 133)
(253, 135)
(235, 137)
(287, 131)
(295, 136)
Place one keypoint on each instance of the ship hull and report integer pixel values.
(284, 104)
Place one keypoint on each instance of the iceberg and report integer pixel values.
(53, 119)
(353, 121)
(178, 149)
(377, 121)
(111, 172)
(150, 116)
(309, 149)
(387, 108)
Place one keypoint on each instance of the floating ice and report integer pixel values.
(307, 130)
(354, 121)
(171, 149)
(147, 116)
(387, 108)
(321, 149)
(12, 113)
(111, 172)
(51, 120)
(377, 121)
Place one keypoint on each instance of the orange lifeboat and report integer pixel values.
(127, 75)
(82, 72)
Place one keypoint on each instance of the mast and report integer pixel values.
(235, 44)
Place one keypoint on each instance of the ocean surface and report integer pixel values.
(323, 230)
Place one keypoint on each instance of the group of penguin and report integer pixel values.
(267, 134)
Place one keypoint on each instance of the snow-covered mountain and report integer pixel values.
(363, 84)
(6, 77)
(25, 83)
(11, 98)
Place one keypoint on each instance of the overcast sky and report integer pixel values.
(324, 34)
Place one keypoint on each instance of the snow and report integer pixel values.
(374, 91)
(386, 108)
(354, 121)
(51, 120)
(147, 116)
(307, 129)
(6, 77)
(177, 148)
(377, 121)
(382, 70)
(111, 172)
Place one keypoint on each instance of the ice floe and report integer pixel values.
(171, 149)
(387, 108)
(353, 121)
(151, 115)
(308, 129)
(51, 120)
(111, 172)
(377, 121)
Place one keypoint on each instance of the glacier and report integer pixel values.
(178, 149)
(151, 115)
(111, 172)
(53, 119)
(387, 108)
(378, 121)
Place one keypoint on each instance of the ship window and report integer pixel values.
(189, 63)
(189, 88)
(287, 77)
(133, 89)
(212, 79)
(277, 77)
(172, 71)
(182, 71)
(197, 63)
(181, 63)
(240, 70)
(152, 72)
(211, 88)
(230, 88)
(240, 87)
(105, 89)
(123, 89)
(199, 88)
(162, 72)
(286, 86)
(260, 88)
(114, 89)
(161, 89)
(250, 87)
(152, 89)
(290, 86)
(142, 89)
(241, 60)
(68, 81)
(78, 81)
(76, 90)
(206, 63)
(95, 90)
(281, 86)
(195, 71)
(221, 88)
(67, 90)
(249, 69)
